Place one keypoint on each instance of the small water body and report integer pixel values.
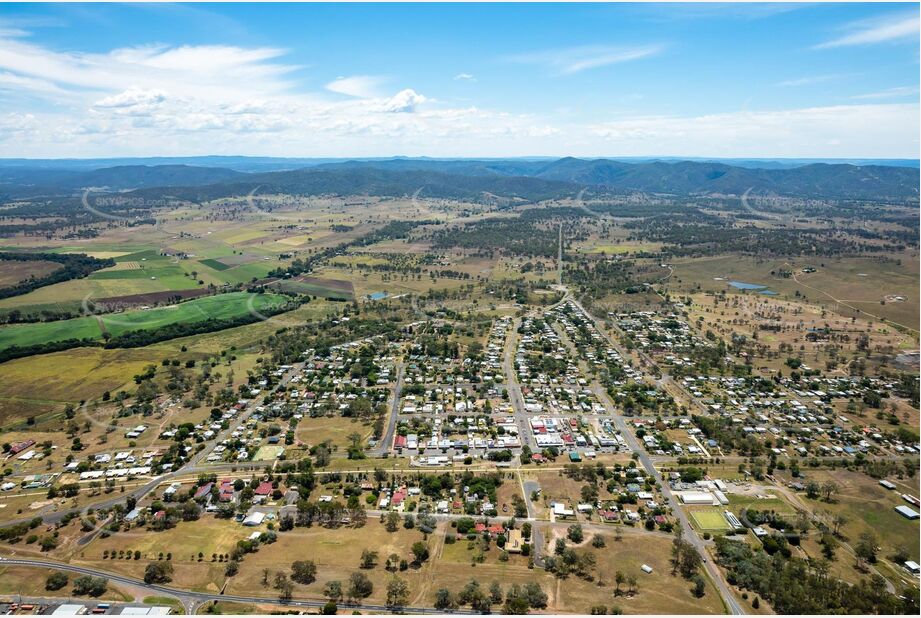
(741, 285)
(378, 296)
(756, 287)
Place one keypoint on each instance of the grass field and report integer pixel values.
(215, 264)
(313, 431)
(709, 519)
(869, 507)
(36, 385)
(30, 582)
(224, 306)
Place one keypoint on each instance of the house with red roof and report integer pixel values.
(203, 491)
(398, 496)
(264, 489)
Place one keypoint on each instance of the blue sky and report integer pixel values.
(710, 80)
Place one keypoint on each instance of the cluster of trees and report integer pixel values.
(518, 236)
(794, 586)
(516, 600)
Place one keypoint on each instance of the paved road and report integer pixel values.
(191, 599)
(387, 439)
(514, 389)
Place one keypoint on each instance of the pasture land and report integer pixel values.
(14, 271)
(220, 307)
(869, 507)
(36, 386)
(842, 284)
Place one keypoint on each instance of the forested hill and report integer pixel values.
(380, 182)
(817, 180)
(467, 179)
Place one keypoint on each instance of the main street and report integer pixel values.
(690, 534)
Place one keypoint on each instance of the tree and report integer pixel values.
(444, 600)
(304, 571)
(284, 586)
(574, 533)
(700, 587)
(495, 593)
(829, 545)
(392, 521)
(619, 579)
(56, 581)
(333, 590)
(368, 559)
(360, 587)
(90, 586)
(158, 573)
(329, 608)
(397, 593)
(420, 551)
(866, 548)
(812, 490)
(535, 595)
(631, 582)
(690, 561)
(232, 568)
(829, 488)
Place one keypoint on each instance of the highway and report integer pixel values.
(191, 599)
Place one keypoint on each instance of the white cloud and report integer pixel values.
(160, 100)
(215, 71)
(577, 59)
(872, 131)
(901, 27)
(403, 101)
(131, 98)
(890, 93)
(464, 77)
(361, 86)
(808, 81)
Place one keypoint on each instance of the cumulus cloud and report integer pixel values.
(464, 77)
(157, 100)
(132, 97)
(403, 101)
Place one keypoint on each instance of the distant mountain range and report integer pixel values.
(467, 179)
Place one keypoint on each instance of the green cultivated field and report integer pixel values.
(222, 307)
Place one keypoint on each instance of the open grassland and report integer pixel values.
(36, 385)
(313, 431)
(841, 284)
(207, 536)
(337, 553)
(869, 507)
(220, 307)
(30, 582)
